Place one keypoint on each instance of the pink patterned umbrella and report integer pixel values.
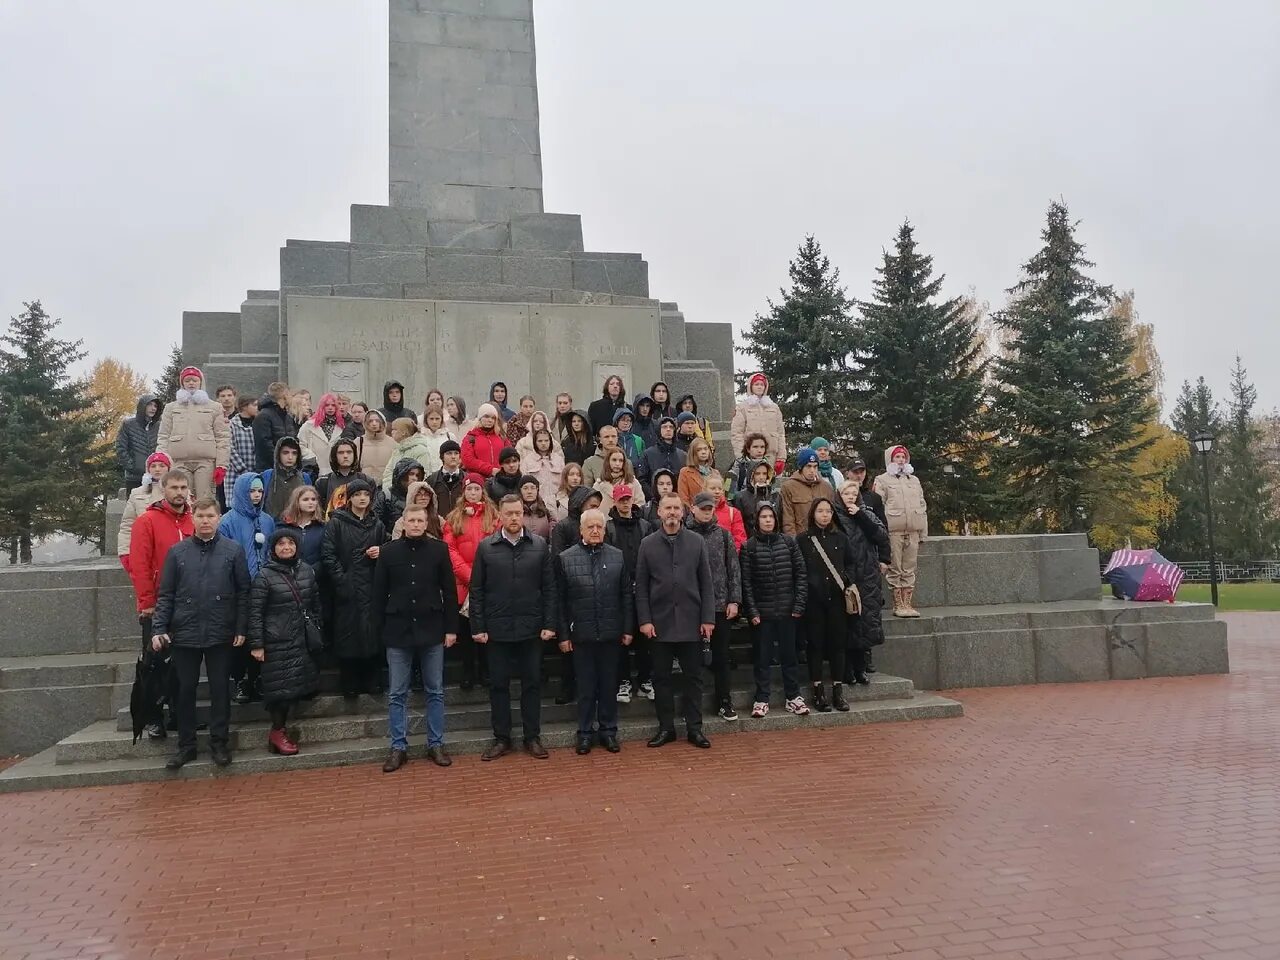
(1142, 575)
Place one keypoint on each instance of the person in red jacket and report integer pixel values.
(162, 525)
(472, 518)
(727, 516)
(484, 443)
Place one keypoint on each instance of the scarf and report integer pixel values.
(328, 424)
(824, 469)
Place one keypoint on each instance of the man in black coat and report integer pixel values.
(415, 610)
(272, 424)
(137, 440)
(202, 611)
(513, 611)
(597, 614)
(625, 530)
(675, 604)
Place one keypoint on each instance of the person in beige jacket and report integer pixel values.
(194, 433)
(908, 516)
(800, 490)
(141, 497)
(757, 413)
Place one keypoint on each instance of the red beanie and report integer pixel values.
(894, 452)
(190, 372)
(475, 478)
(758, 376)
(159, 457)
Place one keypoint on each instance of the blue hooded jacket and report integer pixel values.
(245, 522)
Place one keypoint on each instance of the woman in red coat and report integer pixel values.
(473, 518)
(484, 442)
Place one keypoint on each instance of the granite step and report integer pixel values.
(66, 670)
(44, 772)
(461, 704)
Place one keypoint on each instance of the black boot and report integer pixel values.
(867, 665)
(820, 699)
(837, 698)
(244, 691)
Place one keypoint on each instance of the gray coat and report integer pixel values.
(723, 557)
(674, 588)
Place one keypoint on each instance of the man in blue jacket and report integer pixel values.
(202, 610)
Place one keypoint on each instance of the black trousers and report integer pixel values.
(828, 627)
(243, 665)
(689, 653)
(635, 662)
(508, 659)
(279, 711)
(156, 715)
(475, 666)
(596, 663)
(186, 664)
(779, 634)
(720, 659)
(357, 676)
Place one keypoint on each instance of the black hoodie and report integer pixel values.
(387, 507)
(664, 409)
(394, 411)
(279, 482)
(575, 452)
(331, 488)
(660, 455)
(137, 440)
(646, 428)
(270, 426)
(567, 532)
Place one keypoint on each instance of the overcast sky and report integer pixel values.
(156, 155)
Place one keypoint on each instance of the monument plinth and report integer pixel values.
(464, 228)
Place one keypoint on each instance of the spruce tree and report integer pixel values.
(921, 368)
(1247, 527)
(1068, 409)
(802, 346)
(170, 381)
(57, 469)
(1185, 536)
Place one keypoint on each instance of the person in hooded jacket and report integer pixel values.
(483, 445)
(688, 404)
(660, 394)
(664, 454)
(344, 466)
(624, 530)
(829, 565)
(140, 497)
(410, 445)
(272, 424)
(389, 503)
(353, 538)
(775, 588)
(754, 449)
(318, 435)
(800, 490)
(757, 413)
(646, 425)
(136, 440)
(507, 479)
(686, 430)
(393, 406)
(613, 397)
(498, 398)
(579, 442)
(194, 433)
(537, 516)
(726, 575)
(539, 421)
(624, 422)
(472, 519)
(284, 477)
(284, 596)
(664, 482)
(249, 526)
(456, 420)
(420, 494)
(759, 491)
(908, 515)
(545, 462)
(867, 540)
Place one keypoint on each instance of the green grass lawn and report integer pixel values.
(1231, 596)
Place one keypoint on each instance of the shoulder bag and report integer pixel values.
(311, 632)
(852, 597)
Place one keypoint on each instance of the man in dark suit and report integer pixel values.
(675, 605)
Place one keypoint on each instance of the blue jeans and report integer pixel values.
(400, 666)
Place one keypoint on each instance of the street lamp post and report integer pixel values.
(952, 474)
(1204, 446)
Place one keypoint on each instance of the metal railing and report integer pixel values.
(1230, 571)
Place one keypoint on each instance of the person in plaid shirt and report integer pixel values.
(242, 456)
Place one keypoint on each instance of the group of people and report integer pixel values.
(264, 538)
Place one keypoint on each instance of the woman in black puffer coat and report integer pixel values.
(348, 555)
(284, 595)
(869, 544)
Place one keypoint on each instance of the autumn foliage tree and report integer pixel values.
(117, 386)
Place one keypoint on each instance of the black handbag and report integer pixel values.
(311, 632)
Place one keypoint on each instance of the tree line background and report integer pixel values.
(1046, 412)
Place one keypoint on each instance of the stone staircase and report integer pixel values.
(335, 731)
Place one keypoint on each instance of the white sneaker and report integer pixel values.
(646, 690)
(759, 710)
(798, 707)
(624, 691)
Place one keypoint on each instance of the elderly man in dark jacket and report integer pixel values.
(513, 612)
(415, 609)
(597, 613)
(727, 578)
(137, 440)
(775, 586)
(202, 611)
(675, 604)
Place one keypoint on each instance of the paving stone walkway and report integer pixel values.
(1134, 821)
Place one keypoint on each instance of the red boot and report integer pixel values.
(278, 742)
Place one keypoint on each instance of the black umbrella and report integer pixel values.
(150, 690)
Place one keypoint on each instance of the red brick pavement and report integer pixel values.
(1135, 821)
